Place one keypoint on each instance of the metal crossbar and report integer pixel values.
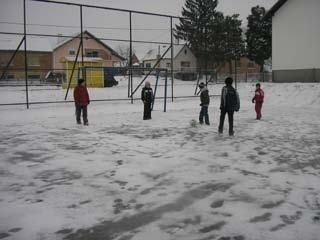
(109, 8)
(81, 6)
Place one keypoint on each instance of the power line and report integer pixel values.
(89, 27)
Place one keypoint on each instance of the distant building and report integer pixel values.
(39, 56)
(243, 66)
(183, 59)
(295, 40)
(96, 55)
(135, 60)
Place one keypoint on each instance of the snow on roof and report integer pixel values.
(36, 44)
(153, 53)
(85, 59)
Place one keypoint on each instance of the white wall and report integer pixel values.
(185, 55)
(182, 57)
(296, 35)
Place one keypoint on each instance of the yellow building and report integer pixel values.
(94, 74)
(95, 53)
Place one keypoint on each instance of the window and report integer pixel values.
(185, 51)
(148, 65)
(34, 76)
(92, 53)
(33, 61)
(185, 64)
(4, 63)
(238, 63)
(72, 52)
(9, 76)
(168, 65)
(250, 64)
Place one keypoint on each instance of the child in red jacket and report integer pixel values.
(258, 100)
(81, 99)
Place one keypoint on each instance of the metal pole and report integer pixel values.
(172, 74)
(81, 40)
(25, 51)
(165, 92)
(210, 80)
(155, 90)
(150, 71)
(128, 83)
(74, 65)
(128, 64)
(206, 69)
(216, 73)
(130, 57)
(235, 72)
(197, 84)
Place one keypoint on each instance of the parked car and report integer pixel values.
(186, 76)
(109, 80)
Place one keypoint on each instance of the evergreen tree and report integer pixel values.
(196, 26)
(212, 37)
(258, 36)
(234, 42)
(217, 38)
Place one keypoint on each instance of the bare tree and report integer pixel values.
(124, 51)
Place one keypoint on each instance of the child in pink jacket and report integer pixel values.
(258, 100)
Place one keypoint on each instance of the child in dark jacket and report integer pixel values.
(147, 99)
(258, 100)
(205, 101)
(81, 99)
(230, 102)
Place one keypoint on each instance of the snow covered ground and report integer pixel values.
(123, 178)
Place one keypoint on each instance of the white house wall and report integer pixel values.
(185, 57)
(181, 57)
(296, 36)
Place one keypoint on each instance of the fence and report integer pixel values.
(37, 80)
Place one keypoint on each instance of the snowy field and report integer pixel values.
(123, 178)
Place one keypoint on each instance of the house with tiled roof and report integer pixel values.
(39, 56)
(96, 55)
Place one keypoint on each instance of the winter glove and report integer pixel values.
(252, 100)
(201, 104)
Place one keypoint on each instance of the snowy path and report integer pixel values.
(123, 178)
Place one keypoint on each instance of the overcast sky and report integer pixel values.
(109, 24)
